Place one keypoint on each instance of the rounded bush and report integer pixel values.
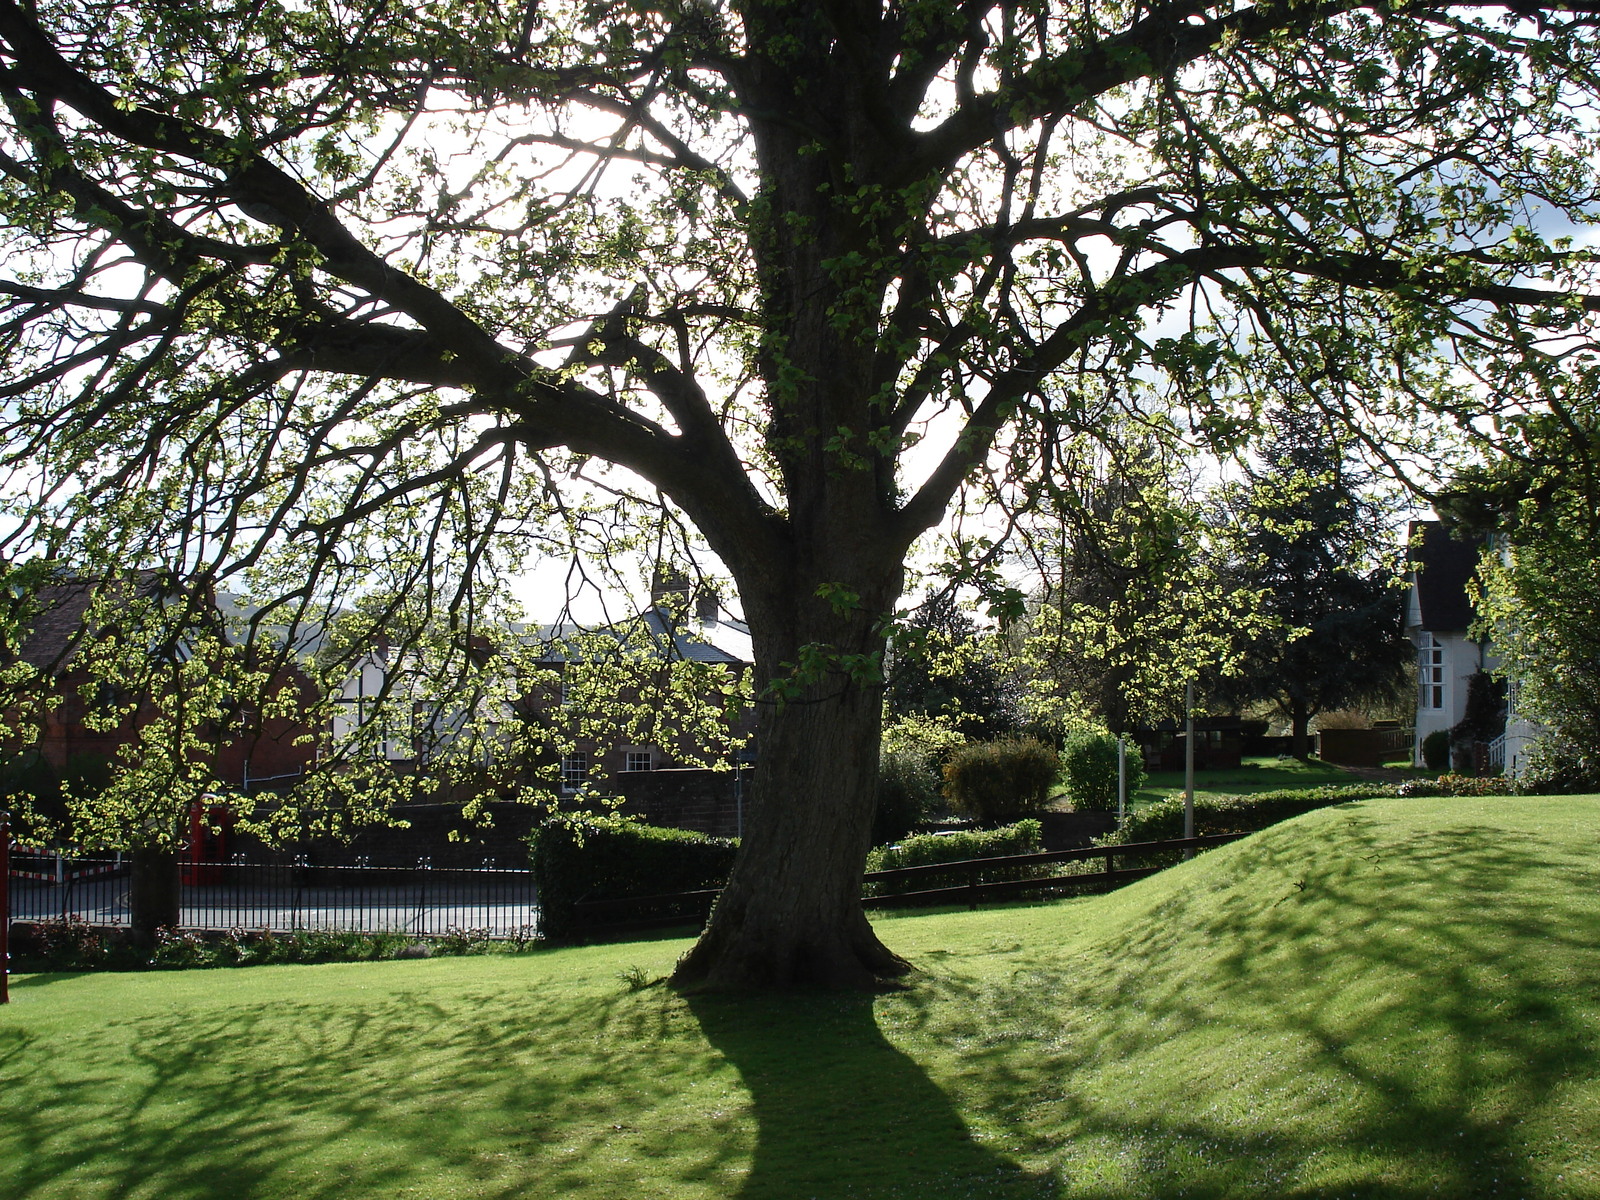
(908, 791)
(1001, 781)
(1089, 762)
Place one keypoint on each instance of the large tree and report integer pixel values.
(322, 296)
(1316, 538)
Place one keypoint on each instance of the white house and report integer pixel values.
(1439, 621)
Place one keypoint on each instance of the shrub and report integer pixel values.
(1089, 762)
(1472, 785)
(67, 943)
(908, 791)
(1436, 750)
(1458, 785)
(581, 857)
(927, 848)
(996, 782)
(1418, 787)
(1560, 765)
(181, 948)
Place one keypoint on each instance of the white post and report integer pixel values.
(1122, 780)
(1188, 765)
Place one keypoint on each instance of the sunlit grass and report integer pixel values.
(1394, 999)
(1251, 775)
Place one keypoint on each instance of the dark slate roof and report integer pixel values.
(55, 616)
(725, 641)
(1441, 567)
(57, 625)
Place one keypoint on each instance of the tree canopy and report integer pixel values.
(1315, 538)
(347, 298)
(942, 668)
(1537, 602)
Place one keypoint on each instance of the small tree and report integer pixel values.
(940, 667)
(1537, 599)
(1483, 718)
(1131, 604)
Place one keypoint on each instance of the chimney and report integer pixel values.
(670, 585)
(706, 607)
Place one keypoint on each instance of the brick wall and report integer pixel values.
(686, 798)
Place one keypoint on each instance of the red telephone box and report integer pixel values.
(209, 827)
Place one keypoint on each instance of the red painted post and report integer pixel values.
(5, 906)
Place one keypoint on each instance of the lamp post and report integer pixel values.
(1122, 780)
(5, 906)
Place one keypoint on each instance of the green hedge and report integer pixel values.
(927, 848)
(581, 857)
(1238, 814)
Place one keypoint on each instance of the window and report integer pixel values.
(574, 772)
(1430, 672)
(637, 760)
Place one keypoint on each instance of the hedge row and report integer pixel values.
(925, 849)
(1238, 814)
(581, 857)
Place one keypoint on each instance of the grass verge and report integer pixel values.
(1393, 998)
(1251, 775)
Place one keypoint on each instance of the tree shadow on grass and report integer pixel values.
(488, 1097)
(841, 1113)
(1398, 1019)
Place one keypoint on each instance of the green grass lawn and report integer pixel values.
(1251, 775)
(1389, 999)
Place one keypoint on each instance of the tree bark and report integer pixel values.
(154, 897)
(791, 914)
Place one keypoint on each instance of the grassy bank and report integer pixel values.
(1389, 999)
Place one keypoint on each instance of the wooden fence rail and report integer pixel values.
(682, 908)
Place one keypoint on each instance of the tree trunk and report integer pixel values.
(154, 896)
(791, 915)
(1300, 733)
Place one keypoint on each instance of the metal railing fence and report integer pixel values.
(423, 900)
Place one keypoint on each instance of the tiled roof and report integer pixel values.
(725, 641)
(1441, 568)
(57, 627)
